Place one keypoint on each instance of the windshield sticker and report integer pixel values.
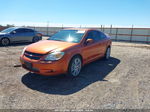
(80, 31)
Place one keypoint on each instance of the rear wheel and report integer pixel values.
(5, 42)
(107, 54)
(40, 38)
(75, 66)
(35, 39)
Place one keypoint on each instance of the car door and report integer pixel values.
(102, 43)
(91, 51)
(29, 34)
(18, 35)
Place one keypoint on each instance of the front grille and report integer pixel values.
(34, 56)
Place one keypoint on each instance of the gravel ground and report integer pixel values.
(123, 82)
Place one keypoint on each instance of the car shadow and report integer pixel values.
(63, 85)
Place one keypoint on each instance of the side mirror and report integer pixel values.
(89, 41)
(13, 32)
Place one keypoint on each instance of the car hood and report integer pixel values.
(1, 34)
(46, 46)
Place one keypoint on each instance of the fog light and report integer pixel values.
(45, 62)
(35, 69)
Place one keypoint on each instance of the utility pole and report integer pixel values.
(62, 26)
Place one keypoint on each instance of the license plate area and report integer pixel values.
(28, 65)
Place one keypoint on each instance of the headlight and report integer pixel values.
(23, 51)
(53, 56)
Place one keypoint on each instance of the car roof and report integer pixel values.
(20, 27)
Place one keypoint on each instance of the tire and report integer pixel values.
(5, 41)
(107, 54)
(40, 38)
(75, 66)
(35, 39)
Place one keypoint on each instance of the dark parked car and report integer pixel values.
(19, 35)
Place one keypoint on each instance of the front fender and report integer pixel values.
(69, 56)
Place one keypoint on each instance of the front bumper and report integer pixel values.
(53, 68)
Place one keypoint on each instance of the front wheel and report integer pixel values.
(75, 66)
(5, 42)
(107, 54)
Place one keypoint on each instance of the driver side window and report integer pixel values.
(90, 35)
(19, 31)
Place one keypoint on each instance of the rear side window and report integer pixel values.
(28, 30)
(22, 30)
(102, 36)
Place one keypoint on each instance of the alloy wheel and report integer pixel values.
(76, 67)
(5, 42)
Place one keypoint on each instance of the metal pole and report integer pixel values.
(110, 29)
(131, 34)
(62, 26)
(47, 26)
(101, 27)
(116, 33)
(147, 39)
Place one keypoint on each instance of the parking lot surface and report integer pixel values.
(123, 82)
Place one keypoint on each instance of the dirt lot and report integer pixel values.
(122, 82)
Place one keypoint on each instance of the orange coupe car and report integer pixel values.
(66, 52)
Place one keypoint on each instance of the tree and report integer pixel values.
(8, 25)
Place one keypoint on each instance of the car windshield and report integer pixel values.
(73, 36)
(8, 30)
